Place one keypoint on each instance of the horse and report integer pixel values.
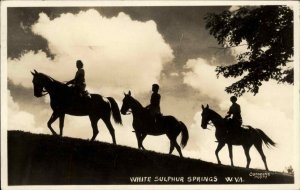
(144, 124)
(65, 100)
(245, 137)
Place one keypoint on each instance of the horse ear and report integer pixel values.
(32, 73)
(129, 93)
(202, 107)
(207, 106)
(35, 71)
(124, 94)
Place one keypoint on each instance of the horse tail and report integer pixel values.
(115, 110)
(184, 134)
(267, 140)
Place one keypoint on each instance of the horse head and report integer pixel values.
(39, 81)
(126, 103)
(205, 116)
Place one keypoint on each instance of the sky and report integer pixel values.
(130, 48)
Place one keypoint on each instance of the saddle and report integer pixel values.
(79, 94)
(85, 94)
(155, 118)
(231, 127)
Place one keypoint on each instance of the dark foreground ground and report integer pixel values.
(47, 160)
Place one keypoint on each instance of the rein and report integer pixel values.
(128, 112)
(210, 124)
(46, 92)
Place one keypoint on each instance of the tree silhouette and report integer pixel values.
(268, 33)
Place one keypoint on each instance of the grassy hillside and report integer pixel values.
(43, 160)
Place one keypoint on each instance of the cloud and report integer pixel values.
(18, 119)
(270, 110)
(201, 75)
(174, 74)
(118, 53)
(239, 49)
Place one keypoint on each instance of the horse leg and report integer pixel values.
(61, 124)
(111, 130)
(246, 150)
(171, 147)
(172, 144)
(230, 153)
(261, 152)
(143, 136)
(178, 148)
(138, 138)
(219, 147)
(94, 122)
(53, 117)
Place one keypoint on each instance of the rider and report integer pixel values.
(235, 111)
(154, 106)
(79, 81)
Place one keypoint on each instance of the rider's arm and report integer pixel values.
(229, 113)
(70, 82)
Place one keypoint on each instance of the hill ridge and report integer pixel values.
(40, 159)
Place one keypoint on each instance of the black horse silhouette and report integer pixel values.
(64, 100)
(243, 136)
(143, 124)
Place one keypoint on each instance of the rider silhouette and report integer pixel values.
(79, 81)
(234, 111)
(154, 106)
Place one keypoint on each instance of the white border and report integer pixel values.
(6, 4)
(134, 3)
(3, 96)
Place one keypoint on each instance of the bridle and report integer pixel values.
(44, 92)
(210, 124)
(128, 112)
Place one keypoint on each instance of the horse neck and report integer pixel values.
(53, 87)
(136, 107)
(216, 119)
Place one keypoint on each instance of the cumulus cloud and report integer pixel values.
(270, 110)
(201, 75)
(118, 53)
(18, 119)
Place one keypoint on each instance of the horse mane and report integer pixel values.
(137, 102)
(215, 113)
(52, 79)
